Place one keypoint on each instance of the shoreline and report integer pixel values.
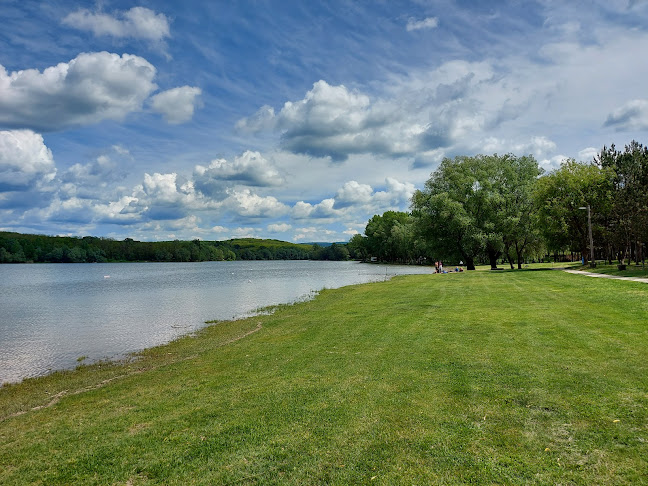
(177, 324)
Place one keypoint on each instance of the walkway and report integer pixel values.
(602, 275)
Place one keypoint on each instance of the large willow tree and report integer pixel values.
(479, 205)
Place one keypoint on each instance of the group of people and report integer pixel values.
(438, 267)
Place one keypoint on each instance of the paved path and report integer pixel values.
(602, 275)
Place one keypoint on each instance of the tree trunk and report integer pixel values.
(641, 252)
(507, 252)
(470, 263)
(492, 258)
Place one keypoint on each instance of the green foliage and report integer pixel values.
(21, 248)
(334, 252)
(358, 248)
(560, 194)
(628, 218)
(488, 207)
(473, 206)
(521, 235)
(390, 237)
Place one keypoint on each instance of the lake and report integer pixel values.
(53, 314)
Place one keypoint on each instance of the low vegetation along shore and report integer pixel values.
(477, 377)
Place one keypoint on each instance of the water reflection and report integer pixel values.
(52, 314)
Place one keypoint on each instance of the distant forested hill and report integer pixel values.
(28, 248)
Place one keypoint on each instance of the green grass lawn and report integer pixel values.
(536, 377)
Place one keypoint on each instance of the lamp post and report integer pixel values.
(589, 229)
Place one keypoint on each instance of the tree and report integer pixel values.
(402, 241)
(77, 255)
(5, 256)
(338, 252)
(520, 226)
(57, 255)
(357, 247)
(628, 220)
(385, 236)
(561, 193)
(477, 205)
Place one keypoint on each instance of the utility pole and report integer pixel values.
(589, 230)
(589, 224)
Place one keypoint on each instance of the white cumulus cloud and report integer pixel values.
(552, 163)
(25, 160)
(248, 169)
(353, 193)
(279, 227)
(90, 88)
(121, 211)
(333, 121)
(395, 196)
(538, 146)
(588, 154)
(322, 210)
(138, 23)
(417, 114)
(169, 196)
(177, 104)
(248, 204)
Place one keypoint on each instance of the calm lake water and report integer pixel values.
(53, 314)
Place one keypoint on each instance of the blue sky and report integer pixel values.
(294, 120)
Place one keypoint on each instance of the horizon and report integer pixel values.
(326, 243)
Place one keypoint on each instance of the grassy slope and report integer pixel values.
(488, 378)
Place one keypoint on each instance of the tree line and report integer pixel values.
(490, 208)
(28, 248)
(479, 209)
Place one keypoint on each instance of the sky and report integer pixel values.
(294, 120)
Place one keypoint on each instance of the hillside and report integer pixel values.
(30, 248)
